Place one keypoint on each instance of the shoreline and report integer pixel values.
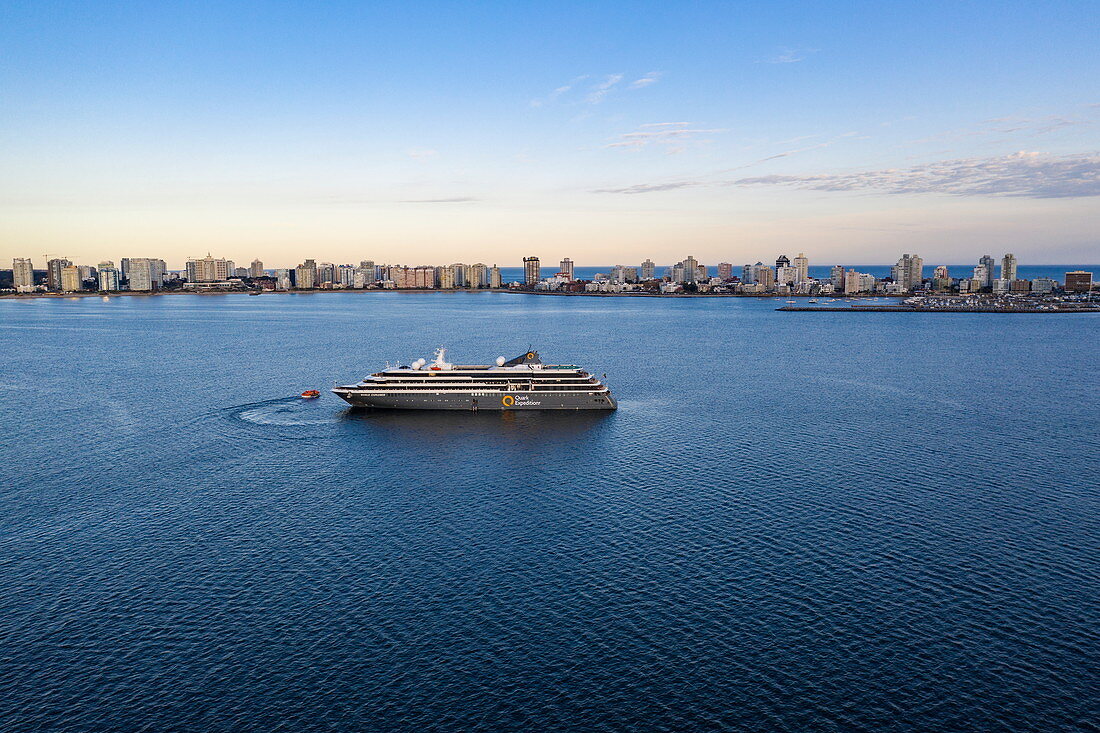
(159, 293)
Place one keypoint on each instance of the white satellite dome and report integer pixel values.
(500, 361)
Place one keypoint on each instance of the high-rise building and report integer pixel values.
(70, 279)
(691, 270)
(725, 271)
(567, 269)
(649, 269)
(446, 275)
(142, 271)
(256, 269)
(836, 276)
(22, 272)
(282, 279)
(763, 275)
(478, 276)
(495, 280)
(53, 272)
(908, 273)
(785, 276)
(208, 270)
(858, 282)
(107, 276)
(460, 275)
(1008, 267)
(989, 263)
(782, 261)
(801, 265)
(1078, 281)
(305, 275)
(981, 275)
(531, 271)
(941, 278)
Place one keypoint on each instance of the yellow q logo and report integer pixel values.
(508, 400)
(530, 355)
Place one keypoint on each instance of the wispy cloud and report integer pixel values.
(651, 78)
(554, 95)
(672, 135)
(600, 90)
(1023, 174)
(785, 55)
(455, 200)
(421, 153)
(1011, 126)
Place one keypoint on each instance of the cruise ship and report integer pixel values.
(523, 383)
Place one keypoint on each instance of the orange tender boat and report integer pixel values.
(310, 394)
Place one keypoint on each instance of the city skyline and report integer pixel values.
(415, 133)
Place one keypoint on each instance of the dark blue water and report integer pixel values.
(795, 521)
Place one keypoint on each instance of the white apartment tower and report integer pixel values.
(22, 272)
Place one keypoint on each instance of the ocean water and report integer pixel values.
(795, 521)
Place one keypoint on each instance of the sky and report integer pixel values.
(608, 132)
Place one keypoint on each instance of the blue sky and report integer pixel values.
(437, 132)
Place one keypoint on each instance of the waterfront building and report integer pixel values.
(941, 279)
(782, 261)
(566, 269)
(256, 269)
(282, 279)
(1008, 267)
(107, 276)
(763, 275)
(801, 265)
(836, 277)
(649, 269)
(630, 274)
(241, 272)
(142, 271)
(1078, 281)
(327, 275)
(858, 282)
(908, 272)
(70, 279)
(495, 280)
(205, 270)
(1043, 285)
(989, 264)
(366, 275)
(785, 276)
(1001, 286)
(690, 267)
(477, 275)
(446, 275)
(748, 273)
(53, 272)
(725, 271)
(305, 275)
(981, 274)
(1019, 286)
(22, 272)
(532, 273)
(460, 275)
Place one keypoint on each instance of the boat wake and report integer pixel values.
(283, 412)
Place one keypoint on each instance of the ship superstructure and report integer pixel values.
(522, 383)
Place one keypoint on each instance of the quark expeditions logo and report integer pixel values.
(519, 401)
